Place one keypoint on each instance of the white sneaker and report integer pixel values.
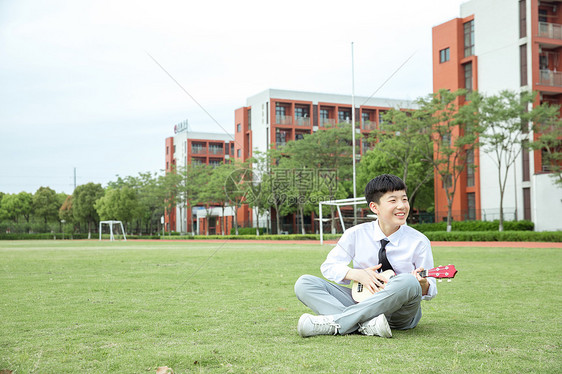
(310, 325)
(377, 326)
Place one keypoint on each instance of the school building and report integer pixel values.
(493, 46)
(269, 119)
(188, 147)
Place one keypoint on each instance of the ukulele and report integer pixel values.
(360, 293)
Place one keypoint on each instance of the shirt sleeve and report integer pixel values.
(425, 260)
(336, 265)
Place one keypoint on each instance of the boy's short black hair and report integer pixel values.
(382, 184)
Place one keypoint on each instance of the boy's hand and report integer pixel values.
(368, 277)
(423, 281)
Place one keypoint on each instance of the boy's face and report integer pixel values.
(392, 208)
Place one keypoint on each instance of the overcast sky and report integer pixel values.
(78, 88)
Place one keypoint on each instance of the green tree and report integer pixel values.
(307, 160)
(504, 119)
(376, 162)
(46, 204)
(454, 131)
(548, 140)
(83, 199)
(26, 204)
(404, 138)
(118, 204)
(11, 207)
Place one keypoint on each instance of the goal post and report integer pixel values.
(111, 223)
(338, 204)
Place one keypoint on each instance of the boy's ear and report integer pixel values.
(373, 207)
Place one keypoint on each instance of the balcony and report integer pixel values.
(302, 121)
(327, 122)
(550, 78)
(283, 120)
(215, 150)
(368, 125)
(198, 150)
(550, 30)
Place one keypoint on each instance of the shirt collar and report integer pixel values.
(394, 238)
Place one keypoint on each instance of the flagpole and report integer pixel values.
(353, 132)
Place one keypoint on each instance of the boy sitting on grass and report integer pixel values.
(387, 243)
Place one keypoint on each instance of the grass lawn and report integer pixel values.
(130, 307)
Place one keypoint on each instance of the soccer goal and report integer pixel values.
(338, 204)
(111, 224)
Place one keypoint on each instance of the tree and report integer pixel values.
(454, 131)
(548, 140)
(83, 199)
(65, 211)
(376, 162)
(403, 138)
(312, 161)
(117, 204)
(46, 204)
(26, 204)
(10, 207)
(504, 119)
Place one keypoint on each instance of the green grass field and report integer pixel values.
(130, 307)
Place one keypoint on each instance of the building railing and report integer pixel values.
(550, 78)
(302, 121)
(368, 125)
(283, 120)
(215, 150)
(198, 150)
(550, 30)
(327, 122)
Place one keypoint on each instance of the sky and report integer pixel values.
(86, 86)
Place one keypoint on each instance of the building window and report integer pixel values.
(167, 150)
(526, 161)
(239, 153)
(280, 110)
(444, 55)
(523, 63)
(249, 119)
(470, 168)
(468, 76)
(469, 38)
(527, 204)
(543, 15)
(238, 127)
(344, 116)
(522, 18)
(471, 205)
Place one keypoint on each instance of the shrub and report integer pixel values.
(475, 226)
(246, 231)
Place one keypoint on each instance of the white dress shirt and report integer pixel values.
(407, 250)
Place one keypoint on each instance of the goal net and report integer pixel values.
(338, 203)
(114, 228)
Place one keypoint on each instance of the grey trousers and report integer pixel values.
(400, 302)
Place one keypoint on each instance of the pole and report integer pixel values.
(353, 132)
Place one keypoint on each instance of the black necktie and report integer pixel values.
(382, 257)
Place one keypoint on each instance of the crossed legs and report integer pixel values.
(399, 302)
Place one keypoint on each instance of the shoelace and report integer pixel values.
(327, 321)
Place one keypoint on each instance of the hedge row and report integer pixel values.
(496, 236)
(488, 236)
(44, 236)
(475, 226)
